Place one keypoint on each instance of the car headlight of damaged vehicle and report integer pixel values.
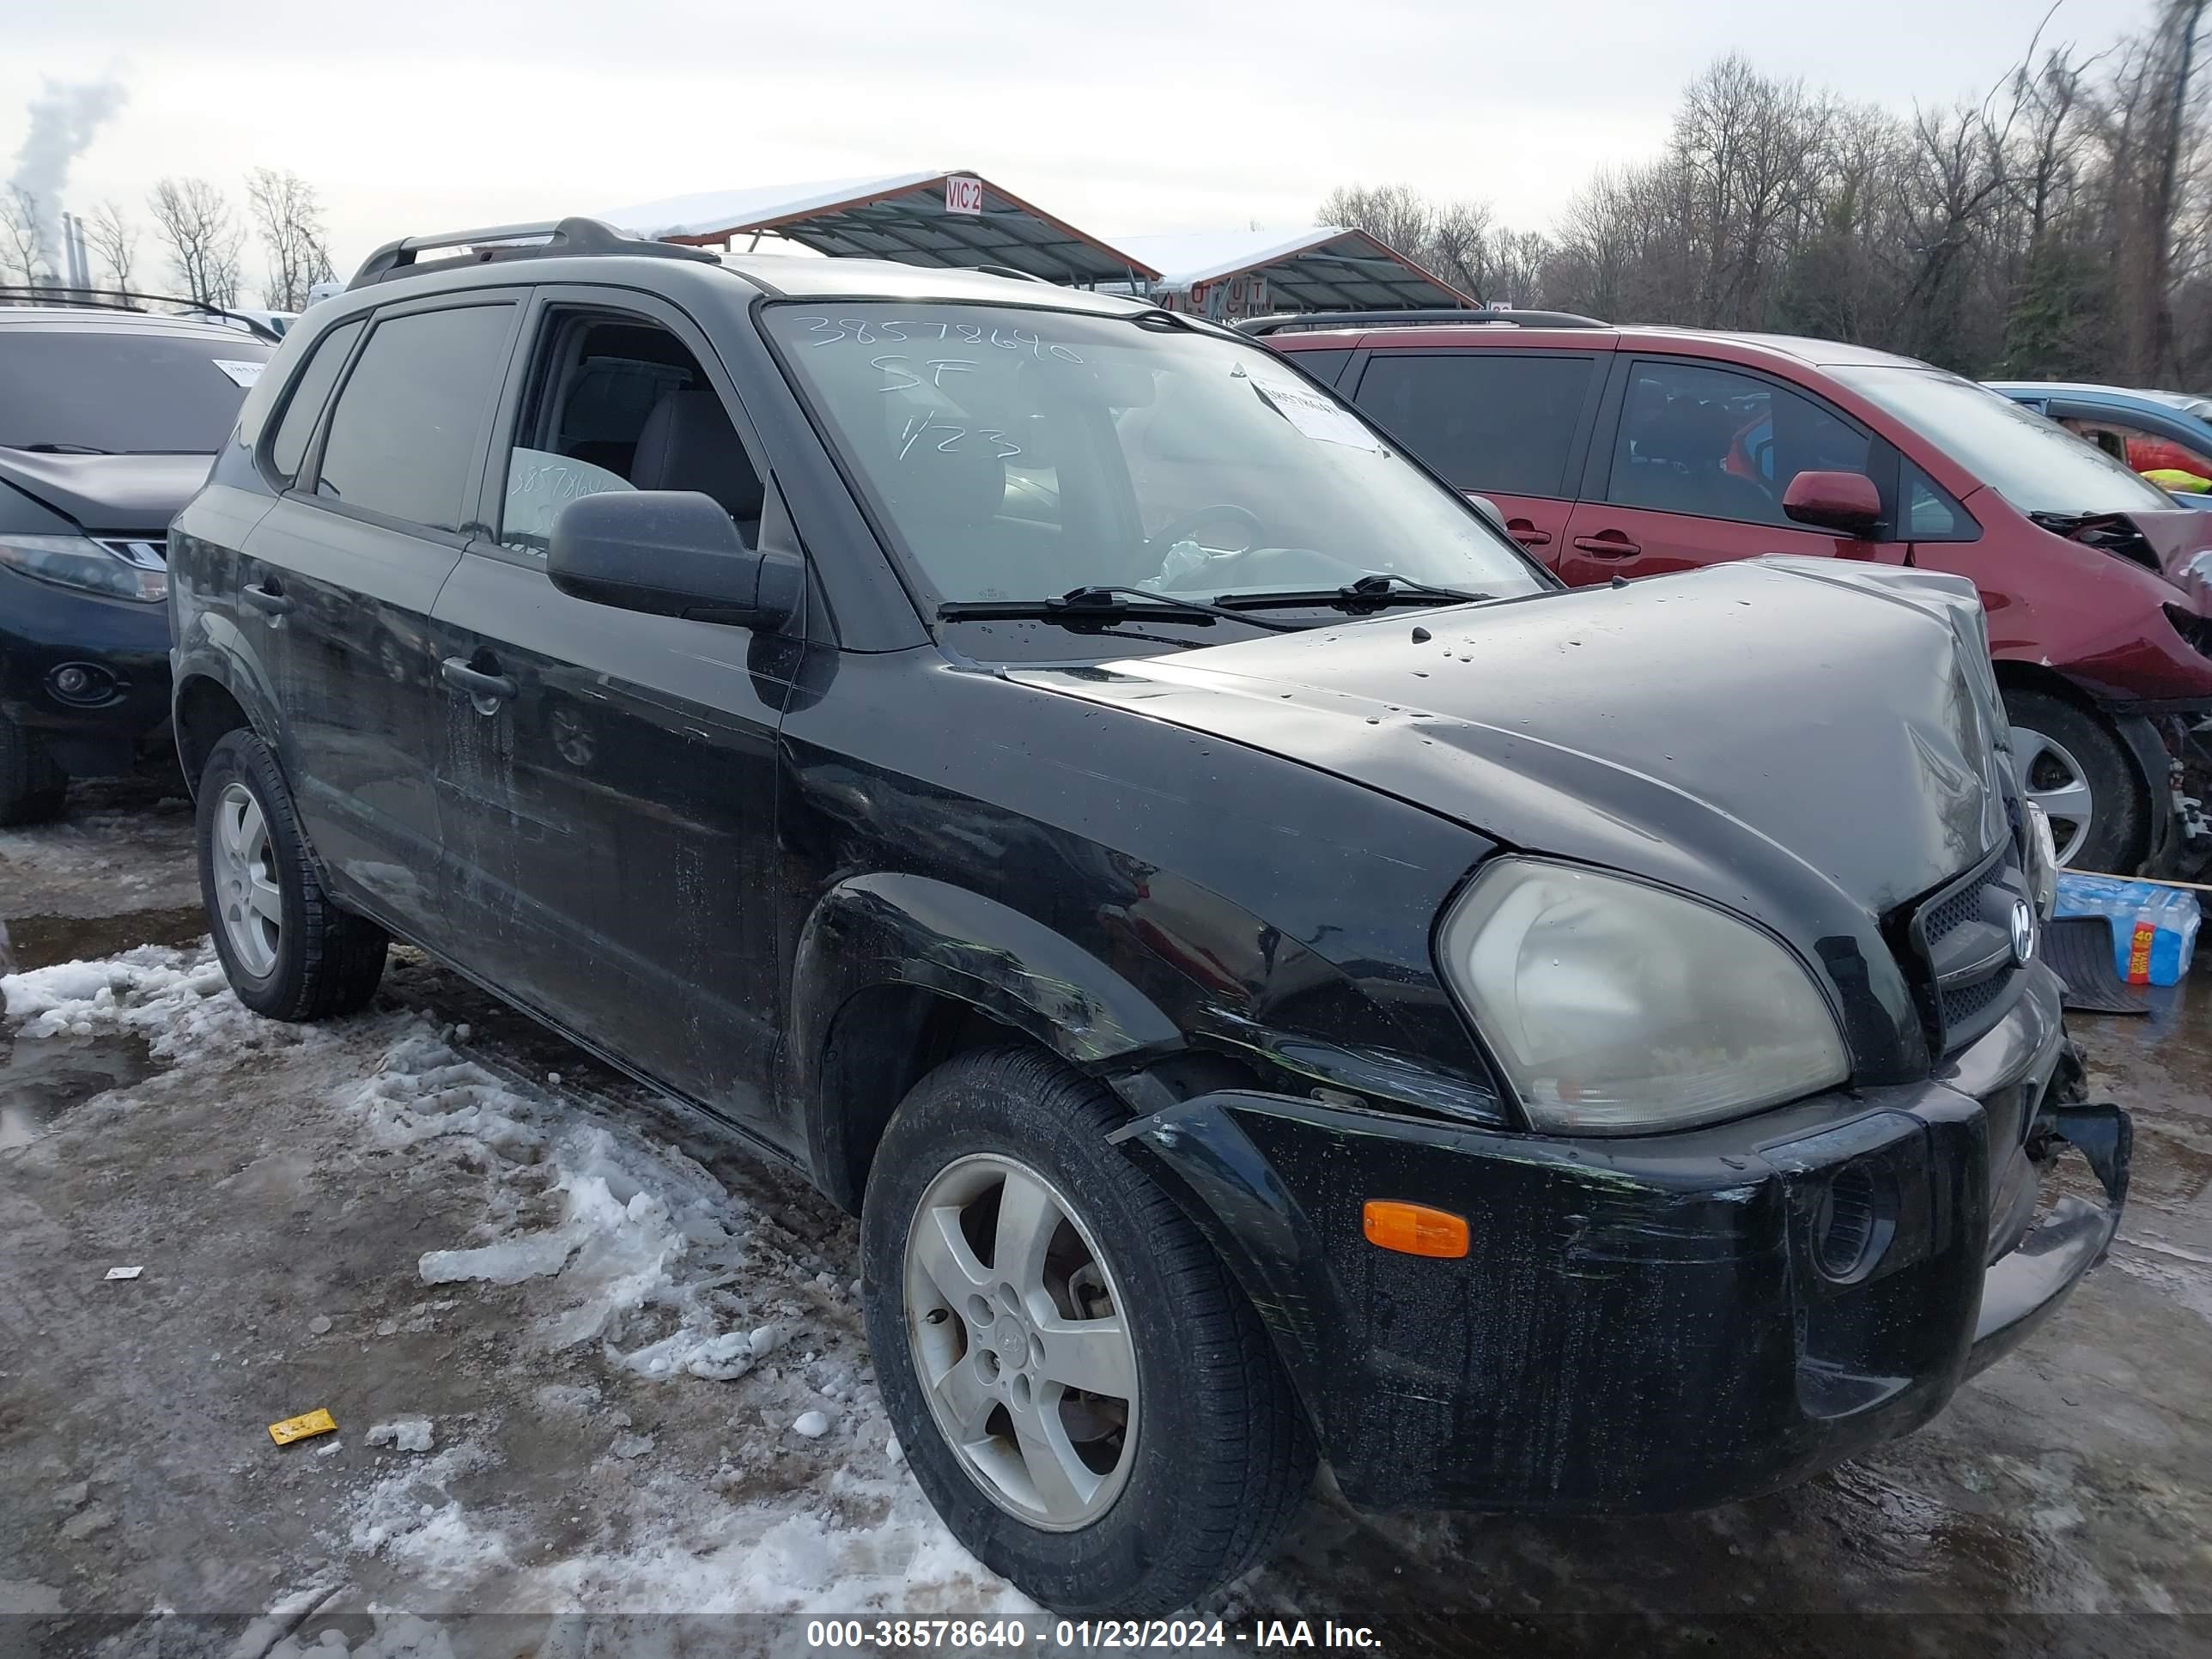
(80, 562)
(1615, 1007)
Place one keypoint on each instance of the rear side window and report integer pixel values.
(1715, 444)
(311, 390)
(127, 391)
(403, 439)
(1323, 366)
(1487, 420)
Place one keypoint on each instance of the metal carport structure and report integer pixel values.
(942, 218)
(1247, 273)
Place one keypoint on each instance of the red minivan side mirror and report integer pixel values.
(1847, 501)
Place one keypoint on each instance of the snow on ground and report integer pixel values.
(592, 1242)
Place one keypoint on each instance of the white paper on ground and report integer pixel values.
(125, 1273)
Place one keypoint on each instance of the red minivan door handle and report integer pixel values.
(1608, 544)
(1524, 531)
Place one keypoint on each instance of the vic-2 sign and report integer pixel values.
(963, 196)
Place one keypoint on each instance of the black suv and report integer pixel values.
(108, 420)
(1273, 971)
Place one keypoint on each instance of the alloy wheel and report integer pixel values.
(1021, 1341)
(249, 902)
(2054, 779)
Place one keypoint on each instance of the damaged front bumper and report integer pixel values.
(1660, 1322)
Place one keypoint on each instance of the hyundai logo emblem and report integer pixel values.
(2023, 933)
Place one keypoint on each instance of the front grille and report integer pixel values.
(1961, 938)
(147, 555)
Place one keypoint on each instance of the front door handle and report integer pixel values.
(1608, 544)
(1524, 531)
(457, 673)
(271, 599)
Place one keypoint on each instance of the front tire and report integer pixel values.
(1082, 1390)
(288, 951)
(32, 787)
(2073, 766)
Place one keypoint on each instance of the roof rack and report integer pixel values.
(1298, 321)
(552, 239)
(1014, 272)
(85, 299)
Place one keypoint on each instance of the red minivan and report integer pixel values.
(1625, 452)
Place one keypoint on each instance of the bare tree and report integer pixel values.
(114, 240)
(288, 218)
(195, 226)
(1396, 214)
(24, 256)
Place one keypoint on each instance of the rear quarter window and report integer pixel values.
(1323, 366)
(309, 391)
(1489, 421)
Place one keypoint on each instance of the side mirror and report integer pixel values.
(1488, 509)
(669, 553)
(1844, 502)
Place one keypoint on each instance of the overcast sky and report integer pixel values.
(416, 115)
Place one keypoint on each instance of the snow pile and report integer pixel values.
(178, 1000)
(855, 1543)
(645, 1243)
(393, 1636)
(407, 1434)
(410, 1516)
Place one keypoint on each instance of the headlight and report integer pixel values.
(1616, 1007)
(79, 563)
(2042, 862)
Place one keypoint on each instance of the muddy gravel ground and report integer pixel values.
(635, 1356)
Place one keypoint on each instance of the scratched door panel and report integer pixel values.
(611, 823)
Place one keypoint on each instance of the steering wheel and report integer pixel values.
(1180, 527)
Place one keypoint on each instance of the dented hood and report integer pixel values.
(2183, 540)
(1812, 742)
(108, 493)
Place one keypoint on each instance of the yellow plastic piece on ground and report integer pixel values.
(306, 1426)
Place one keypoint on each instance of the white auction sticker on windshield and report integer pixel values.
(244, 374)
(1316, 416)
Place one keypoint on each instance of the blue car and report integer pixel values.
(2147, 430)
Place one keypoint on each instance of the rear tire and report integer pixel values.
(2073, 762)
(32, 787)
(1201, 1457)
(288, 951)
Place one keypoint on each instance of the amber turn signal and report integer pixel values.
(1414, 1229)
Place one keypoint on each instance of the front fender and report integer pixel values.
(888, 928)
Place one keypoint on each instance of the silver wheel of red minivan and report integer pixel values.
(2073, 766)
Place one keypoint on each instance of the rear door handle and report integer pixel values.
(1608, 544)
(457, 673)
(269, 599)
(1525, 533)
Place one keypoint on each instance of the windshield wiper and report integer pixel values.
(1102, 602)
(60, 449)
(1368, 592)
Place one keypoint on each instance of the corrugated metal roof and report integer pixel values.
(1321, 268)
(901, 216)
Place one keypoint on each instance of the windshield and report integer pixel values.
(2033, 462)
(118, 392)
(1019, 454)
